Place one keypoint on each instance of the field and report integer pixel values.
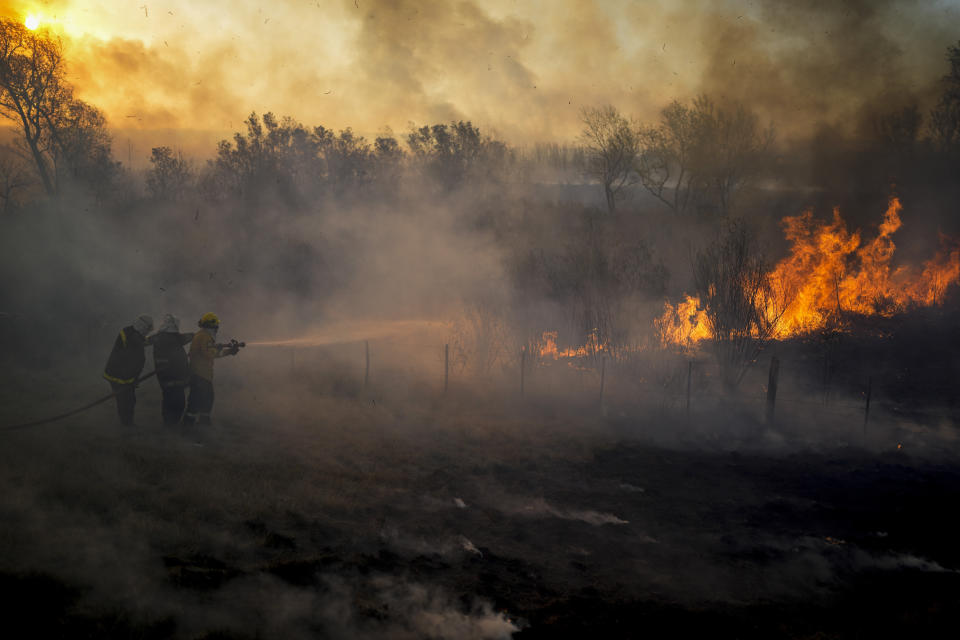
(328, 511)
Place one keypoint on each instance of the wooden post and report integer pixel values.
(866, 409)
(826, 378)
(603, 375)
(772, 389)
(366, 368)
(523, 367)
(446, 367)
(689, 377)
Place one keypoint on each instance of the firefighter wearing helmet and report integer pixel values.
(125, 364)
(172, 366)
(203, 351)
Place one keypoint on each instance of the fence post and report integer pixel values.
(603, 377)
(866, 409)
(446, 367)
(826, 378)
(772, 389)
(689, 376)
(366, 368)
(523, 367)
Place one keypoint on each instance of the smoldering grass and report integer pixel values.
(539, 507)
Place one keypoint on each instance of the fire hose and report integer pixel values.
(78, 410)
(229, 348)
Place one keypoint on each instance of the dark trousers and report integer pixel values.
(126, 400)
(173, 401)
(200, 403)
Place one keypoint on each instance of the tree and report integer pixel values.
(388, 160)
(31, 87)
(169, 176)
(945, 117)
(251, 165)
(14, 178)
(66, 137)
(742, 304)
(348, 158)
(612, 145)
(701, 155)
(899, 129)
(452, 154)
(80, 147)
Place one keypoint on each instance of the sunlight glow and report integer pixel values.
(31, 22)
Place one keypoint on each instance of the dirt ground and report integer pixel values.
(343, 514)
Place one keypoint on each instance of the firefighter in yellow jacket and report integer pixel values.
(203, 351)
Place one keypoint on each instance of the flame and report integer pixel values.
(939, 272)
(546, 347)
(683, 325)
(830, 273)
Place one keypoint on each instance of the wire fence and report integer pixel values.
(682, 384)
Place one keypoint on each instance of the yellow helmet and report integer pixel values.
(209, 320)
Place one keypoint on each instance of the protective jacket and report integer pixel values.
(170, 359)
(127, 358)
(203, 351)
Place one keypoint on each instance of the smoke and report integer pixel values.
(805, 63)
(513, 68)
(447, 474)
(414, 611)
(540, 508)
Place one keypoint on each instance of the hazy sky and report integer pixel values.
(522, 68)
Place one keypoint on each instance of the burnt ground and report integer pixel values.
(306, 515)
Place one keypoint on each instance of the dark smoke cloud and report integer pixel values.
(805, 63)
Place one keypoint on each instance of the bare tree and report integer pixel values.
(66, 137)
(743, 305)
(612, 145)
(665, 158)
(31, 77)
(945, 117)
(898, 129)
(701, 155)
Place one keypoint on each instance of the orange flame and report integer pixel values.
(828, 274)
(683, 325)
(546, 347)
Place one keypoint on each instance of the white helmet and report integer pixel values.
(143, 325)
(170, 324)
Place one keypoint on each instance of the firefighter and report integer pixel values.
(125, 364)
(203, 351)
(173, 370)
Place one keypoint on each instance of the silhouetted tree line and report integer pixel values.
(699, 157)
(280, 158)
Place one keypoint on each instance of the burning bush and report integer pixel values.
(828, 276)
(741, 301)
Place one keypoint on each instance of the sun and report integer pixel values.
(31, 22)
